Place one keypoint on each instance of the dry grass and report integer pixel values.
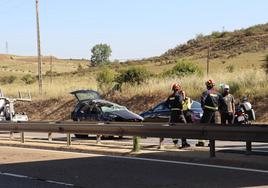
(251, 83)
(247, 79)
(60, 87)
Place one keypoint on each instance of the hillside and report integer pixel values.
(223, 44)
(236, 59)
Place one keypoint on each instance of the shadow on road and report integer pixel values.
(103, 172)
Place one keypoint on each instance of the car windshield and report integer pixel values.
(112, 108)
(196, 104)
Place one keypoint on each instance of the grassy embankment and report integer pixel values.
(246, 78)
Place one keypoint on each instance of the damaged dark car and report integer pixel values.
(91, 107)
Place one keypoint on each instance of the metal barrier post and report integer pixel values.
(212, 148)
(136, 144)
(11, 136)
(69, 139)
(160, 146)
(22, 137)
(98, 139)
(249, 148)
(50, 137)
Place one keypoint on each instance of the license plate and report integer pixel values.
(241, 118)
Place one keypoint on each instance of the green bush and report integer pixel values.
(217, 34)
(106, 76)
(183, 68)
(28, 79)
(134, 75)
(230, 68)
(235, 88)
(8, 79)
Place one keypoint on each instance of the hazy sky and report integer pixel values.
(133, 29)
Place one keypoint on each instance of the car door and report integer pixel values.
(160, 113)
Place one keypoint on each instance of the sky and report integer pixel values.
(134, 29)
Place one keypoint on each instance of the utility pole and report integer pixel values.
(51, 70)
(6, 47)
(40, 79)
(208, 58)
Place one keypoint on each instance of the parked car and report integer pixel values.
(161, 113)
(91, 107)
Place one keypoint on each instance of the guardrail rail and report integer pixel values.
(247, 133)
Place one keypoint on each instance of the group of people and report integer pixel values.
(218, 108)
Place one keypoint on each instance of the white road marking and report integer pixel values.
(193, 164)
(37, 179)
(255, 149)
(159, 160)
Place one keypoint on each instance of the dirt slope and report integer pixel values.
(60, 109)
(223, 44)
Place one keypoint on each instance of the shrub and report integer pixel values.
(265, 65)
(199, 37)
(230, 68)
(51, 73)
(134, 75)
(217, 34)
(28, 79)
(183, 68)
(105, 80)
(235, 88)
(80, 70)
(8, 79)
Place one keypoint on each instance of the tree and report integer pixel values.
(100, 54)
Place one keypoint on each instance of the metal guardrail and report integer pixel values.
(247, 133)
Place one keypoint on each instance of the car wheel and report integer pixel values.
(80, 135)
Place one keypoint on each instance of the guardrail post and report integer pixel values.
(248, 147)
(98, 139)
(212, 148)
(69, 139)
(136, 144)
(22, 137)
(11, 136)
(50, 137)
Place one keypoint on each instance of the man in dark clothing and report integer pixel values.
(211, 102)
(227, 113)
(174, 102)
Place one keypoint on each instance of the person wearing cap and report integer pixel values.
(211, 102)
(227, 113)
(175, 103)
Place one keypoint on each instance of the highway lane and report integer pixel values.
(223, 146)
(42, 168)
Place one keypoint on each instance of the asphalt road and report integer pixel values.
(41, 168)
(222, 146)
